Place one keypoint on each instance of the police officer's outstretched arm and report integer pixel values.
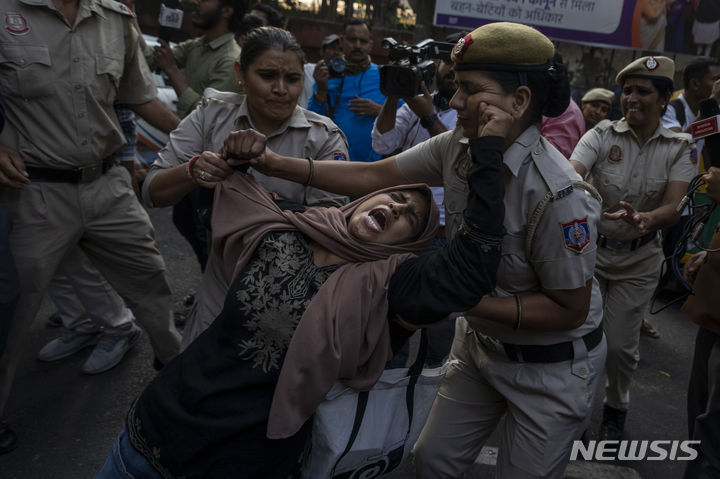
(343, 177)
(661, 217)
(12, 169)
(426, 289)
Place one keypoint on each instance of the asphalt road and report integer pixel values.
(67, 421)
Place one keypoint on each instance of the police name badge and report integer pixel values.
(576, 234)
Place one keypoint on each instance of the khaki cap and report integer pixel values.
(648, 67)
(598, 94)
(503, 46)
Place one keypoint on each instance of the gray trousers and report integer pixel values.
(627, 281)
(84, 299)
(106, 221)
(9, 288)
(546, 406)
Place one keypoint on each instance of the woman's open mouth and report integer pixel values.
(377, 219)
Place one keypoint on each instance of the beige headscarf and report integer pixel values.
(343, 334)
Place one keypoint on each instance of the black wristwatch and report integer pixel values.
(428, 121)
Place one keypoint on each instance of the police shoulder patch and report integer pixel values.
(339, 156)
(576, 234)
(117, 7)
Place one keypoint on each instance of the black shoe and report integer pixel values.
(8, 439)
(613, 424)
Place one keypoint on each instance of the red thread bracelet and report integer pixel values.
(189, 167)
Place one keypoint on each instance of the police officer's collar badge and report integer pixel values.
(462, 46)
(651, 64)
(576, 234)
(16, 24)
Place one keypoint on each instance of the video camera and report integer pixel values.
(414, 64)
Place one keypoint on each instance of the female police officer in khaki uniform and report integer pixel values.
(642, 171)
(272, 82)
(533, 351)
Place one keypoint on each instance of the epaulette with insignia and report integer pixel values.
(564, 192)
(117, 7)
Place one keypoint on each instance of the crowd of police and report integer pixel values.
(591, 205)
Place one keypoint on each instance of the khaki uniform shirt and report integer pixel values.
(206, 65)
(533, 168)
(304, 135)
(621, 169)
(58, 81)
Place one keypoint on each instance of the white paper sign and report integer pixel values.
(170, 17)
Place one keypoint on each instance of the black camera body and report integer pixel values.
(336, 67)
(413, 65)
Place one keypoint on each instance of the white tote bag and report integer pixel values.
(367, 434)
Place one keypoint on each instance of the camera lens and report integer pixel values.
(337, 65)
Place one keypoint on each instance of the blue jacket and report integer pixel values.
(357, 128)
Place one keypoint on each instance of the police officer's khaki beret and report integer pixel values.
(598, 94)
(648, 67)
(503, 46)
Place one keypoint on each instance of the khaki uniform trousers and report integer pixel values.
(84, 299)
(546, 407)
(106, 220)
(627, 281)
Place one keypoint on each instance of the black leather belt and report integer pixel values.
(85, 174)
(625, 245)
(551, 353)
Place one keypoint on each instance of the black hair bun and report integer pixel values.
(559, 93)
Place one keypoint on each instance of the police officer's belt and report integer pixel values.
(628, 245)
(85, 174)
(550, 353)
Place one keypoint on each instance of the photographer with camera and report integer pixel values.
(422, 116)
(351, 97)
(331, 54)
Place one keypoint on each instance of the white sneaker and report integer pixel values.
(67, 344)
(111, 349)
